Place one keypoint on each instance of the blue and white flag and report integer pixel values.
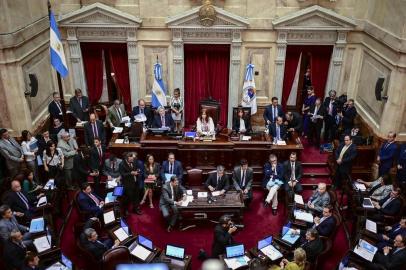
(58, 60)
(158, 88)
(249, 98)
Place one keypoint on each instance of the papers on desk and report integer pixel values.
(188, 200)
(365, 250)
(109, 217)
(235, 263)
(215, 193)
(299, 199)
(271, 252)
(290, 236)
(120, 234)
(125, 119)
(42, 244)
(370, 226)
(280, 143)
(80, 123)
(33, 145)
(110, 198)
(57, 266)
(37, 225)
(202, 194)
(359, 186)
(127, 124)
(304, 216)
(112, 183)
(119, 141)
(50, 185)
(367, 203)
(72, 132)
(246, 138)
(42, 201)
(141, 252)
(118, 130)
(189, 192)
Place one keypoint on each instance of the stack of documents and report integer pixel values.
(304, 216)
(118, 130)
(202, 194)
(42, 244)
(235, 263)
(125, 119)
(246, 138)
(141, 252)
(365, 250)
(188, 200)
(112, 183)
(280, 143)
(299, 199)
(359, 186)
(119, 141)
(50, 185)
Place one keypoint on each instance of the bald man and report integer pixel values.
(319, 199)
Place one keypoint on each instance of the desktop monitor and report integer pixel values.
(125, 226)
(235, 251)
(264, 242)
(145, 242)
(175, 252)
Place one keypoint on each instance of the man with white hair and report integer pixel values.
(69, 148)
(163, 119)
(319, 199)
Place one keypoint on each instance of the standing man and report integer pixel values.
(217, 181)
(273, 180)
(317, 114)
(294, 122)
(344, 155)
(132, 173)
(242, 179)
(272, 111)
(55, 108)
(79, 105)
(387, 154)
(348, 115)
(69, 148)
(97, 158)
(94, 128)
(222, 236)
(292, 174)
(330, 104)
(401, 165)
(172, 195)
(12, 152)
(115, 114)
(145, 110)
(171, 166)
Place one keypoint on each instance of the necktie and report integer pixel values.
(274, 114)
(330, 108)
(278, 133)
(80, 102)
(100, 154)
(113, 165)
(163, 121)
(119, 113)
(293, 171)
(243, 179)
(170, 168)
(24, 199)
(387, 145)
(59, 107)
(218, 180)
(142, 110)
(95, 133)
(173, 193)
(96, 201)
(387, 202)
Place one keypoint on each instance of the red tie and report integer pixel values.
(94, 199)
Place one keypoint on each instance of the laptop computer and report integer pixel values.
(235, 251)
(266, 247)
(118, 191)
(37, 225)
(145, 242)
(288, 236)
(175, 252)
(125, 226)
(141, 248)
(67, 262)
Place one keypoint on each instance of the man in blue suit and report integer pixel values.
(272, 111)
(401, 164)
(89, 201)
(172, 166)
(277, 130)
(388, 206)
(344, 155)
(386, 239)
(387, 154)
(273, 180)
(163, 119)
(327, 223)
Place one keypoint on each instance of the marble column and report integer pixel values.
(336, 63)
(281, 45)
(234, 77)
(76, 61)
(133, 65)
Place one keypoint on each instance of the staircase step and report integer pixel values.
(314, 164)
(312, 181)
(316, 174)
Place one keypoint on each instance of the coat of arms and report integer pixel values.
(207, 13)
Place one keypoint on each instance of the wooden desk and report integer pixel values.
(172, 264)
(231, 203)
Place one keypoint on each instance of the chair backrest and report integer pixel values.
(212, 108)
(90, 260)
(113, 257)
(84, 215)
(195, 177)
(327, 244)
(333, 198)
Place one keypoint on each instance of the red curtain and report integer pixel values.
(291, 61)
(93, 65)
(206, 75)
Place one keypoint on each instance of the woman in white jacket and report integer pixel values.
(30, 147)
(205, 124)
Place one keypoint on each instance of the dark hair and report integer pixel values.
(176, 90)
(293, 154)
(29, 257)
(78, 90)
(84, 185)
(54, 94)
(386, 179)
(96, 138)
(48, 147)
(243, 162)
(2, 131)
(3, 209)
(24, 134)
(147, 158)
(173, 178)
(274, 98)
(224, 219)
(201, 113)
(27, 172)
(171, 153)
(329, 207)
(313, 233)
(112, 156)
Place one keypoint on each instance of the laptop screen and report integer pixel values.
(264, 242)
(145, 242)
(67, 262)
(125, 227)
(175, 252)
(118, 191)
(235, 251)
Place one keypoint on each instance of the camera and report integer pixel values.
(238, 226)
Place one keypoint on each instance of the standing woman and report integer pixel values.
(30, 147)
(151, 176)
(307, 103)
(53, 160)
(177, 108)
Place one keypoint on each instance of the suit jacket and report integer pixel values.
(222, 184)
(54, 111)
(11, 152)
(268, 113)
(268, 173)
(348, 157)
(313, 248)
(296, 123)
(80, 170)
(392, 233)
(392, 208)
(283, 132)
(320, 112)
(16, 204)
(387, 154)
(287, 170)
(148, 113)
(89, 138)
(326, 228)
(177, 170)
(237, 181)
(95, 162)
(319, 200)
(109, 170)
(168, 121)
(8, 225)
(113, 117)
(348, 117)
(166, 196)
(221, 239)
(132, 183)
(393, 261)
(77, 110)
(88, 205)
(401, 160)
(14, 255)
(41, 145)
(236, 125)
(68, 151)
(326, 105)
(96, 248)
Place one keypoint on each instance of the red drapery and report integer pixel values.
(319, 65)
(206, 75)
(93, 65)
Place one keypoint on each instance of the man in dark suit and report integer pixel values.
(242, 179)
(31, 261)
(292, 170)
(79, 106)
(272, 111)
(330, 104)
(217, 181)
(92, 129)
(55, 108)
(222, 236)
(312, 245)
(386, 239)
(277, 130)
(326, 224)
(348, 114)
(391, 258)
(344, 156)
(294, 122)
(401, 165)
(316, 114)
(90, 202)
(132, 178)
(97, 158)
(14, 251)
(143, 109)
(19, 202)
(171, 166)
(163, 119)
(81, 169)
(171, 198)
(387, 154)
(111, 167)
(389, 206)
(273, 180)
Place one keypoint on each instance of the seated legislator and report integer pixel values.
(324, 225)
(172, 195)
(205, 124)
(8, 223)
(391, 258)
(389, 206)
(386, 238)
(89, 201)
(312, 245)
(272, 111)
(14, 251)
(292, 171)
(115, 114)
(171, 167)
(31, 261)
(242, 180)
(79, 106)
(294, 122)
(241, 124)
(217, 181)
(92, 129)
(90, 241)
(19, 201)
(163, 120)
(319, 199)
(273, 180)
(298, 263)
(145, 110)
(111, 168)
(277, 130)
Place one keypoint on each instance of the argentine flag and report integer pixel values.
(158, 88)
(58, 60)
(249, 98)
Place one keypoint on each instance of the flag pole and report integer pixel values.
(60, 89)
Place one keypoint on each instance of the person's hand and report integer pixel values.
(400, 167)
(388, 228)
(21, 159)
(222, 192)
(232, 229)
(135, 173)
(385, 237)
(268, 122)
(211, 188)
(245, 191)
(378, 158)
(386, 250)
(282, 264)
(311, 206)
(109, 178)
(18, 214)
(46, 169)
(339, 161)
(116, 243)
(102, 203)
(285, 261)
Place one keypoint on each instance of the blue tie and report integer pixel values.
(278, 133)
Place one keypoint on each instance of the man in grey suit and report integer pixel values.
(11, 151)
(319, 199)
(171, 198)
(242, 179)
(8, 223)
(115, 113)
(79, 106)
(69, 148)
(111, 168)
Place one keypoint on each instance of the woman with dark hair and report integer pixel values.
(53, 160)
(30, 147)
(30, 185)
(151, 172)
(205, 124)
(176, 108)
(241, 123)
(307, 103)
